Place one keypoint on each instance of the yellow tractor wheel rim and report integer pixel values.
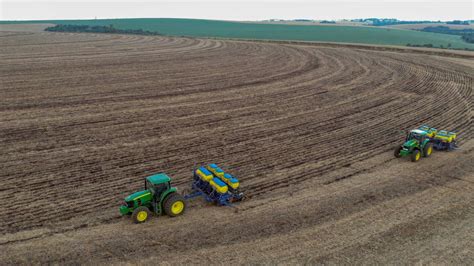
(417, 157)
(141, 216)
(177, 207)
(429, 151)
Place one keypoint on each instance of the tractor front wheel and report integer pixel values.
(427, 150)
(140, 214)
(397, 151)
(415, 156)
(174, 205)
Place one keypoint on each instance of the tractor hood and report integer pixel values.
(138, 195)
(409, 144)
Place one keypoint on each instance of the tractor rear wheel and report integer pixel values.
(397, 151)
(428, 149)
(415, 156)
(174, 205)
(141, 214)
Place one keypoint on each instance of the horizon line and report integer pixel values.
(268, 19)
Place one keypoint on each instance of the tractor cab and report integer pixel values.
(158, 197)
(157, 184)
(416, 134)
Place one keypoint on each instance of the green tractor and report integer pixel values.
(159, 197)
(417, 144)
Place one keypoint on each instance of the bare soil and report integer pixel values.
(25, 27)
(308, 129)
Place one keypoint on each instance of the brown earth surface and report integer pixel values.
(25, 27)
(309, 130)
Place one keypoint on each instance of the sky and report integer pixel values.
(238, 10)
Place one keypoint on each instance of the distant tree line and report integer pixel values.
(429, 45)
(387, 22)
(327, 22)
(390, 21)
(447, 30)
(458, 22)
(393, 21)
(98, 29)
(466, 34)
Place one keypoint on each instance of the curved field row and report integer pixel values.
(84, 117)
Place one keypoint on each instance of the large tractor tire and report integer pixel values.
(141, 214)
(415, 156)
(397, 151)
(174, 205)
(428, 150)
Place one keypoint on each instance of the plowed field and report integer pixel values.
(309, 131)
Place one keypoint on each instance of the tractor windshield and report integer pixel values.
(414, 135)
(156, 189)
(159, 188)
(150, 186)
